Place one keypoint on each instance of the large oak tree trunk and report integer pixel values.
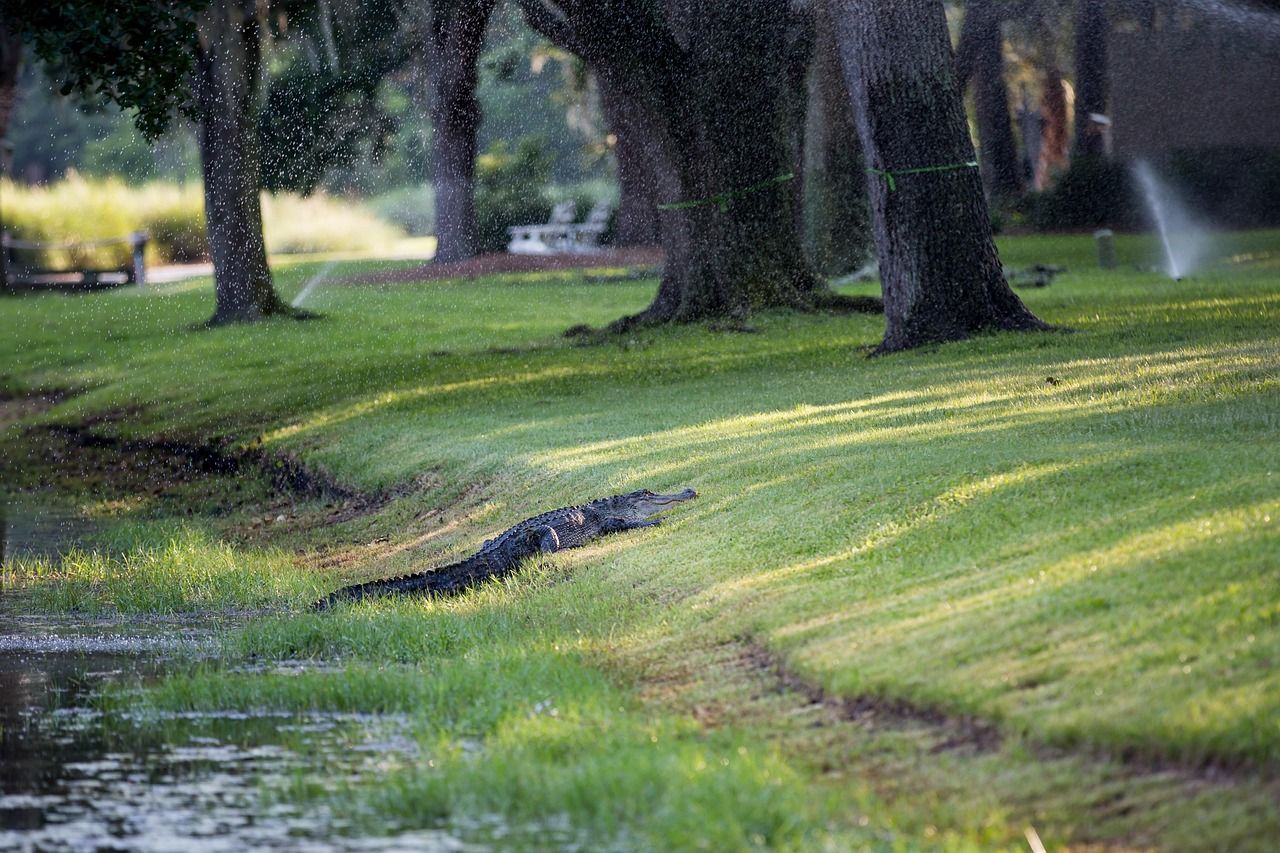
(731, 93)
(980, 59)
(10, 62)
(454, 39)
(940, 274)
(717, 84)
(640, 169)
(836, 221)
(227, 75)
(1091, 76)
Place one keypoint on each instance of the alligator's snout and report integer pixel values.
(685, 495)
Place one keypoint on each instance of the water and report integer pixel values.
(1183, 242)
(75, 779)
(312, 284)
(39, 531)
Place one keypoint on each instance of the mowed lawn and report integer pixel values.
(1072, 538)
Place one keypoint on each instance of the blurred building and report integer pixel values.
(1195, 78)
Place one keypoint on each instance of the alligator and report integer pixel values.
(567, 527)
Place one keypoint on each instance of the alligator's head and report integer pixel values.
(638, 506)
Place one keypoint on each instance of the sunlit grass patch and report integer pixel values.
(1070, 537)
(190, 571)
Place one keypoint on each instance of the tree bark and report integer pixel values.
(640, 169)
(1053, 128)
(980, 59)
(227, 74)
(453, 40)
(836, 222)
(715, 82)
(10, 62)
(940, 273)
(1091, 76)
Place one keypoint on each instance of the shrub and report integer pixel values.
(320, 223)
(411, 208)
(1229, 185)
(1092, 193)
(77, 209)
(511, 189)
(173, 217)
(71, 210)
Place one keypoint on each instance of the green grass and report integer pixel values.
(1071, 536)
(189, 571)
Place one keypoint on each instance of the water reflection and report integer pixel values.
(32, 531)
(75, 779)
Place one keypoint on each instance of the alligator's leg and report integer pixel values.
(614, 524)
(548, 539)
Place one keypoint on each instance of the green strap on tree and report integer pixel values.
(888, 174)
(721, 200)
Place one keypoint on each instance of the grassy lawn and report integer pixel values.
(925, 600)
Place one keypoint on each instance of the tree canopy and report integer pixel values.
(136, 53)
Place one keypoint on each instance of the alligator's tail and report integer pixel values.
(402, 585)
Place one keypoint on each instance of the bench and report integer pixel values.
(23, 276)
(561, 233)
(544, 239)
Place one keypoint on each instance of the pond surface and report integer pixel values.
(39, 531)
(72, 778)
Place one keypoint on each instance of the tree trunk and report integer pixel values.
(1053, 133)
(454, 39)
(639, 169)
(836, 222)
(10, 62)
(227, 75)
(741, 249)
(940, 273)
(715, 82)
(980, 58)
(1091, 76)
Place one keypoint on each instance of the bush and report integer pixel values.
(1227, 185)
(511, 189)
(174, 218)
(77, 209)
(411, 208)
(1092, 193)
(69, 211)
(319, 223)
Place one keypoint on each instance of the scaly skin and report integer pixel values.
(568, 527)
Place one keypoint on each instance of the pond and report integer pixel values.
(75, 778)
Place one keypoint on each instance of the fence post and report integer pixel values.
(138, 240)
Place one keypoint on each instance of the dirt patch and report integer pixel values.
(15, 407)
(953, 732)
(185, 461)
(906, 752)
(167, 476)
(643, 259)
(950, 732)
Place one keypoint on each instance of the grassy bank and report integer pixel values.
(1043, 565)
